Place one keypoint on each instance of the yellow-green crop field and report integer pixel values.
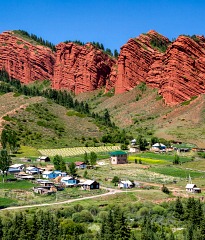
(65, 152)
(148, 160)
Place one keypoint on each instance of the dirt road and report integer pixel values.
(111, 191)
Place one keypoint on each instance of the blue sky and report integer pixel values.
(111, 22)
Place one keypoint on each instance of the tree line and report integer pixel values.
(130, 221)
(37, 39)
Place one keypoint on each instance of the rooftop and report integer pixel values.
(118, 153)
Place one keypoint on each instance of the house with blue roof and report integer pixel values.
(69, 181)
(53, 174)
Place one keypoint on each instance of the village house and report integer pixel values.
(118, 157)
(134, 149)
(24, 176)
(16, 168)
(69, 181)
(46, 187)
(80, 165)
(158, 147)
(89, 185)
(33, 170)
(192, 188)
(125, 184)
(53, 174)
(43, 159)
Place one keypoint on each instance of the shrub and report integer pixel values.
(165, 189)
(84, 216)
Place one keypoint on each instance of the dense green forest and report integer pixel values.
(179, 220)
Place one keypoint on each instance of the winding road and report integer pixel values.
(111, 191)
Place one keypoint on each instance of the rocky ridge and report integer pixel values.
(23, 60)
(81, 68)
(176, 68)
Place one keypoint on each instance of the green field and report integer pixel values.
(177, 172)
(27, 151)
(80, 158)
(5, 202)
(21, 184)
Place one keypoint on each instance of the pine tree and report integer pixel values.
(56, 161)
(146, 230)
(72, 169)
(4, 162)
(202, 227)
(93, 158)
(86, 161)
(4, 138)
(121, 228)
(190, 230)
(179, 210)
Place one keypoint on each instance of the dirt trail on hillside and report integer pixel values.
(10, 113)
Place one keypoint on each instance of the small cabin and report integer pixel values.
(80, 165)
(32, 170)
(90, 185)
(69, 181)
(125, 184)
(118, 157)
(134, 149)
(16, 168)
(158, 147)
(53, 174)
(43, 159)
(192, 188)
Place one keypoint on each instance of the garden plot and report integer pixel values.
(76, 150)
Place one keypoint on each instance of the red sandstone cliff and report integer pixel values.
(23, 60)
(81, 68)
(135, 60)
(178, 71)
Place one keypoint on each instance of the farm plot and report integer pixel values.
(149, 157)
(134, 172)
(65, 152)
(147, 160)
(176, 172)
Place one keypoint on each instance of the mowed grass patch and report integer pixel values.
(147, 160)
(151, 195)
(198, 165)
(5, 202)
(23, 185)
(176, 172)
(80, 158)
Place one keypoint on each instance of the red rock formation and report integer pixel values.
(81, 68)
(180, 73)
(135, 59)
(23, 60)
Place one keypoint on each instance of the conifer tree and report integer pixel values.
(86, 161)
(179, 210)
(4, 162)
